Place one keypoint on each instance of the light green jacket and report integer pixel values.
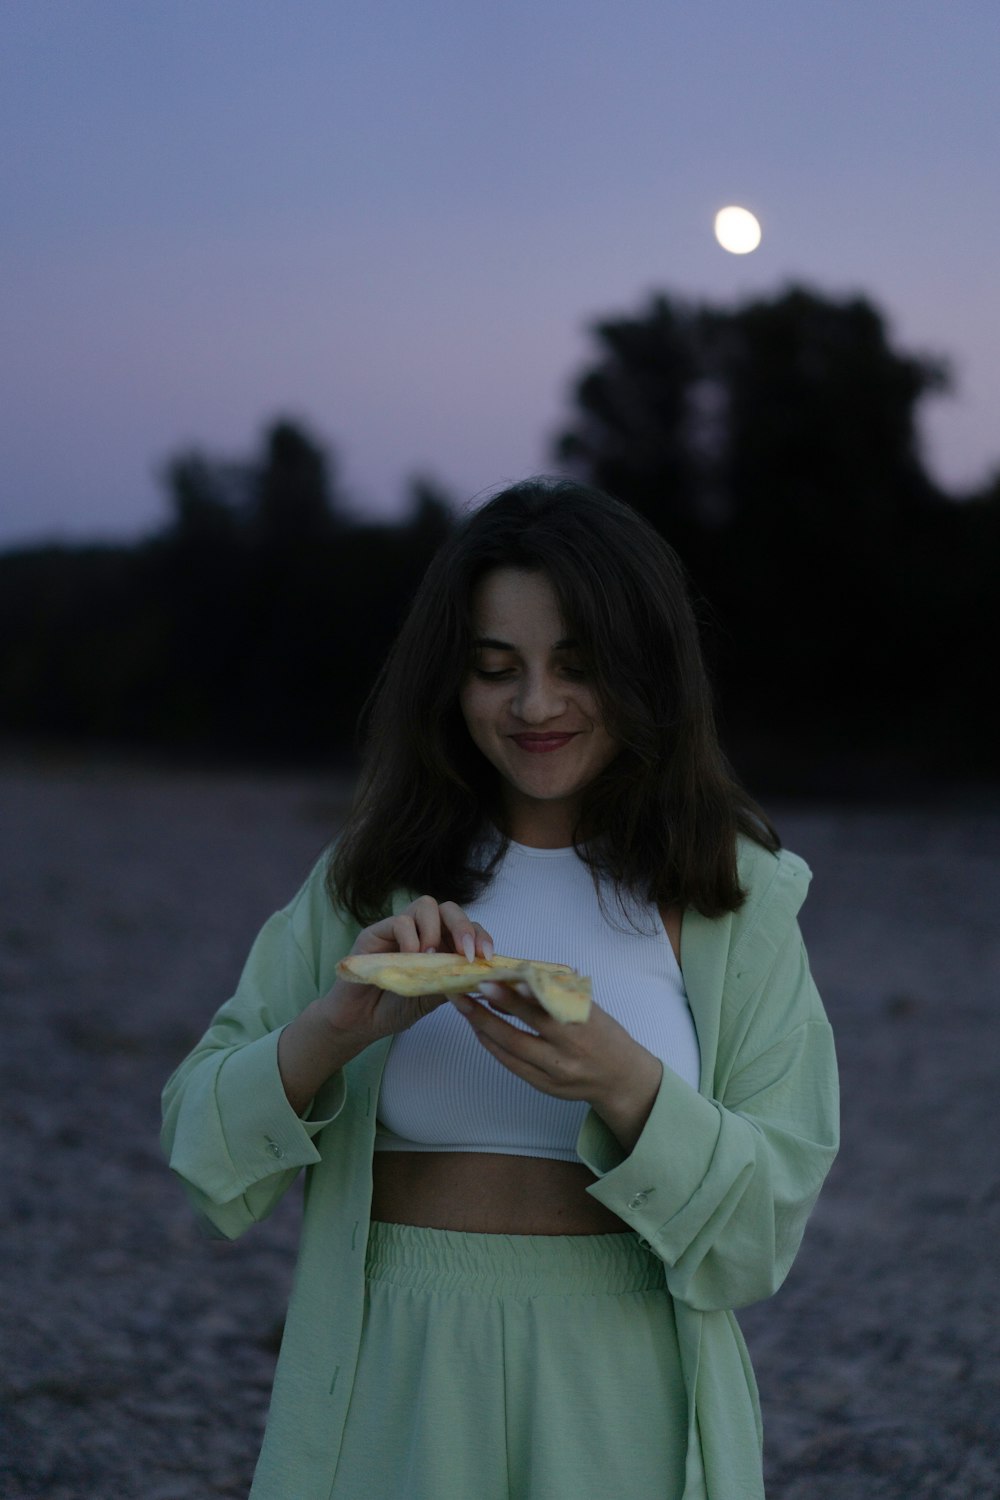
(720, 1183)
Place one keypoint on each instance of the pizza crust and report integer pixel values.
(562, 992)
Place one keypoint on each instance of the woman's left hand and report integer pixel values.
(594, 1060)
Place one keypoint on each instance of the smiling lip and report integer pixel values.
(538, 744)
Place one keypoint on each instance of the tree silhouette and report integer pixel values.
(777, 446)
(820, 430)
(285, 496)
(210, 499)
(293, 494)
(847, 603)
(636, 431)
(432, 515)
(794, 412)
(276, 609)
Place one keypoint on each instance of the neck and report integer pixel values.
(540, 826)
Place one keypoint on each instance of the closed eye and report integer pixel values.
(500, 674)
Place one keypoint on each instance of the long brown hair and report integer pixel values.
(662, 821)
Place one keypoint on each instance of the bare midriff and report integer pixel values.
(480, 1192)
(483, 1193)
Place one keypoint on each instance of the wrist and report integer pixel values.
(332, 1030)
(626, 1107)
(310, 1051)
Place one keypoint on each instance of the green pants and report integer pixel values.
(514, 1367)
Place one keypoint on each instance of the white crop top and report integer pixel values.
(442, 1091)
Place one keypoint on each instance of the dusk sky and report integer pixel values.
(393, 221)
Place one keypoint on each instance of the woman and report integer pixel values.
(522, 1240)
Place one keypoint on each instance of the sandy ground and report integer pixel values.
(137, 1355)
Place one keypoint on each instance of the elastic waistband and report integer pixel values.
(523, 1265)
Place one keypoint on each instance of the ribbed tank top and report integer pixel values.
(441, 1091)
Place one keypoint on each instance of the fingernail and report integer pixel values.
(487, 947)
(469, 947)
(493, 992)
(430, 950)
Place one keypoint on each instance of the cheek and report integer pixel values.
(609, 746)
(595, 713)
(467, 704)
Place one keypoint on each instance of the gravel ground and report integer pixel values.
(137, 1356)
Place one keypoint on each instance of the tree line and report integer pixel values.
(848, 602)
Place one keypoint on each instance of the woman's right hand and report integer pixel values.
(425, 926)
(349, 1017)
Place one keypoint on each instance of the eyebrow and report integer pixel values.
(488, 643)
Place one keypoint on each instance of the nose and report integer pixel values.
(539, 697)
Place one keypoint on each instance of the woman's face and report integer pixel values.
(530, 706)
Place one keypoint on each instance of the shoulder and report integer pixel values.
(323, 930)
(741, 942)
(776, 885)
(746, 973)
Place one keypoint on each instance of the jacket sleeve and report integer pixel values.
(720, 1189)
(229, 1131)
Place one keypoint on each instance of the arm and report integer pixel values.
(342, 1023)
(229, 1129)
(721, 1188)
(242, 1111)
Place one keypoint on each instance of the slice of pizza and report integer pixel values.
(563, 993)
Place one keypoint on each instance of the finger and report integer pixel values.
(432, 1002)
(406, 934)
(514, 1000)
(497, 993)
(390, 935)
(426, 916)
(523, 1067)
(523, 1053)
(483, 1019)
(484, 943)
(460, 929)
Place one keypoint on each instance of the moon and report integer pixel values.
(737, 230)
